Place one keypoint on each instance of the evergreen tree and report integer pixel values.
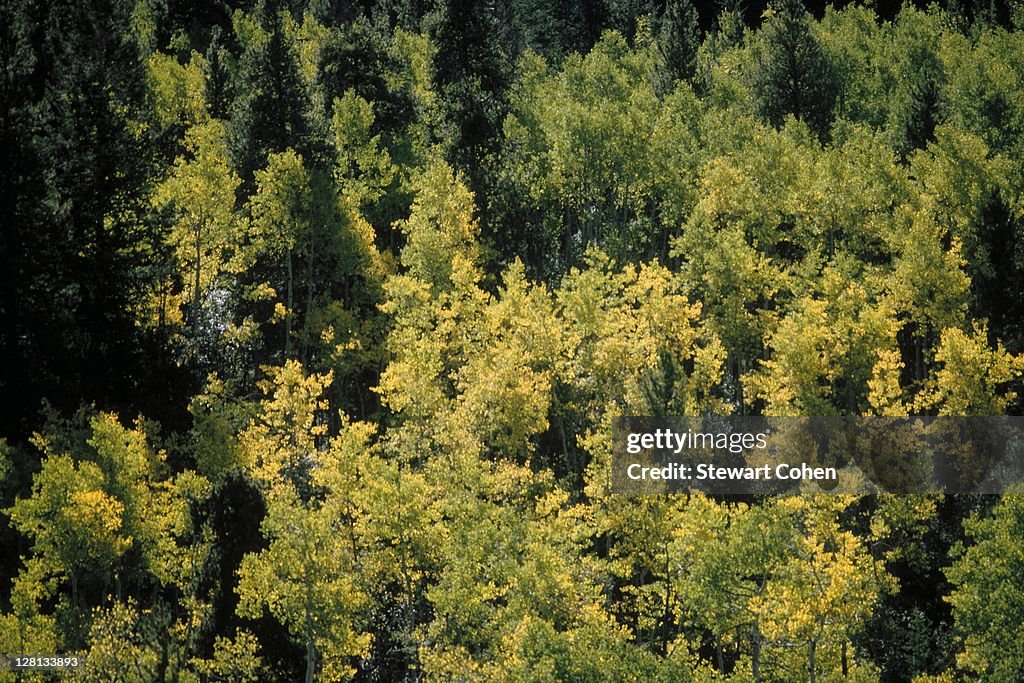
(556, 29)
(918, 80)
(269, 113)
(72, 175)
(792, 74)
(471, 74)
(625, 16)
(678, 42)
(218, 77)
(356, 57)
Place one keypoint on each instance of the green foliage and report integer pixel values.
(822, 592)
(304, 578)
(972, 375)
(678, 42)
(792, 74)
(986, 600)
(555, 29)
(75, 523)
(270, 113)
(310, 256)
(471, 75)
(106, 518)
(441, 232)
(178, 92)
(825, 352)
(916, 79)
(199, 193)
(364, 170)
(595, 147)
(387, 272)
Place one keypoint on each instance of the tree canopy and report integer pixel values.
(315, 318)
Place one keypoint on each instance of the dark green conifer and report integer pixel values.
(792, 75)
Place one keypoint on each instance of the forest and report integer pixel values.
(315, 316)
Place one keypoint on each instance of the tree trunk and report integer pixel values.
(310, 643)
(310, 660)
(810, 660)
(288, 315)
(666, 617)
(755, 648)
(306, 316)
(195, 286)
(919, 357)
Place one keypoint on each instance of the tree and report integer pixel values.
(73, 174)
(723, 559)
(206, 232)
(364, 170)
(986, 599)
(859, 51)
(555, 29)
(307, 579)
(582, 144)
(270, 114)
(488, 392)
(792, 74)
(678, 42)
(917, 79)
(75, 524)
(217, 70)
(628, 16)
(825, 351)
(308, 584)
(357, 58)
(739, 247)
(823, 592)
(471, 76)
(283, 212)
(110, 523)
(441, 232)
(971, 377)
(310, 270)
